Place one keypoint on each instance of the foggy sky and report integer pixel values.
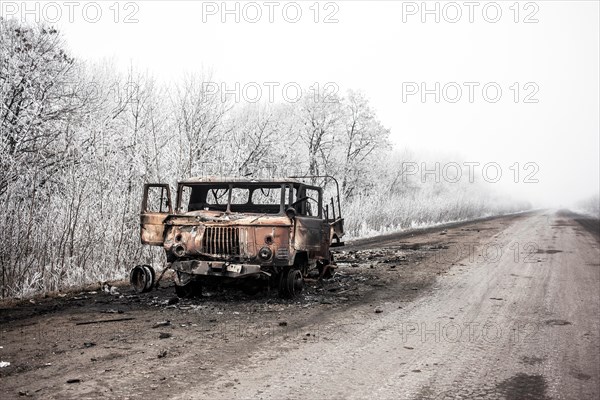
(384, 49)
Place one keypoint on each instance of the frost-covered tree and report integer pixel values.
(42, 97)
(77, 142)
(363, 138)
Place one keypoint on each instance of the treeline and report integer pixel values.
(589, 206)
(78, 141)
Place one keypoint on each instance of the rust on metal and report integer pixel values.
(233, 228)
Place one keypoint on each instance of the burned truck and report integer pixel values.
(227, 230)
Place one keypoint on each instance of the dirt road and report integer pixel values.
(506, 308)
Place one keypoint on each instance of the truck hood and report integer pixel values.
(218, 217)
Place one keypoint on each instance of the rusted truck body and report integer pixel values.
(235, 228)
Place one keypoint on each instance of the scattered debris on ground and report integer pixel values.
(96, 335)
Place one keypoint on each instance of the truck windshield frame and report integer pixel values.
(218, 196)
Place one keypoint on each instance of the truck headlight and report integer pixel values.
(265, 253)
(179, 250)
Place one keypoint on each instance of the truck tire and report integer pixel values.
(186, 286)
(141, 278)
(325, 267)
(291, 283)
(150, 274)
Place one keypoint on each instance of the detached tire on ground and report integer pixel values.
(141, 278)
(291, 283)
(151, 274)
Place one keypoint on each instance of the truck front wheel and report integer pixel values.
(291, 283)
(187, 286)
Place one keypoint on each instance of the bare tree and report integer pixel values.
(363, 136)
(41, 96)
(319, 117)
(199, 115)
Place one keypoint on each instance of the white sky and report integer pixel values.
(370, 48)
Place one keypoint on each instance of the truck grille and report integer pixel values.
(221, 240)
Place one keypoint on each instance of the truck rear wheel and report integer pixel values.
(291, 283)
(325, 267)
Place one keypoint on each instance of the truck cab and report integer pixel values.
(226, 229)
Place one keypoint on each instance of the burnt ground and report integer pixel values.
(115, 343)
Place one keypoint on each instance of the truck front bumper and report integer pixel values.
(217, 268)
